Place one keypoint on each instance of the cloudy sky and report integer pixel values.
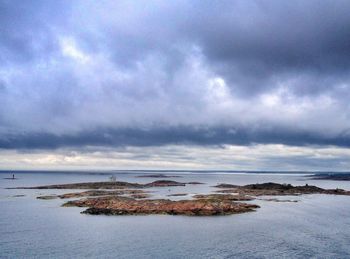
(238, 85)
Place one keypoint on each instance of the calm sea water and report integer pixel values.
(318, 226)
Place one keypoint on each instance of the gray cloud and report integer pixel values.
(28, 30)
(258, 43)
(170, 157)
(148, 73)
(176, 135)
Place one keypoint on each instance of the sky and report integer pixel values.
(229, 85)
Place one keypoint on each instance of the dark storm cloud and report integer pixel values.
(255, 43)
(164, 136)
(77, 73)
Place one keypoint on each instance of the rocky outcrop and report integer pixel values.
(115, 205)
(281, 189)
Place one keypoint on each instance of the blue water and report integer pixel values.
(317, 226)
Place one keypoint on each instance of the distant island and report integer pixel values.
(158, 176)
(335, 177)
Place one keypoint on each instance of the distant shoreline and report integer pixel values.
(178, 172)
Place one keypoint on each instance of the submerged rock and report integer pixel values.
(140, 196)
(226, 185)
(229, 197)
(47, 197)
(18, 195)
(177, 194)
(278, 200)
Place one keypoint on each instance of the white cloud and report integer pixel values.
(70, 49)
(229, 157)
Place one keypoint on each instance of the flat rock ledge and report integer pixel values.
(139, 194)
(107, 185)
(116, 205)
(219, 197)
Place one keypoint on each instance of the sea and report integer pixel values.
(317, 226)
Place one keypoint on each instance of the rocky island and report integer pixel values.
(116, 205)
(131, 199)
